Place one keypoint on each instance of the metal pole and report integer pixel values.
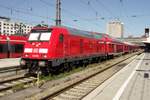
(38, 79)
(8, 47)
(58, 13)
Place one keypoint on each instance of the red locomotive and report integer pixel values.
(11, 46)
(50, 49)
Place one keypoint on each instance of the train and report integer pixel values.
(11, 46)
(54, 48)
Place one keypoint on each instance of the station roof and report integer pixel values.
(147, 40)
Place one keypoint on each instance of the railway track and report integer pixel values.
(14, 83)
(76, 90)
(7, 72)
(13, 79)
(80, 90)
(9, 69)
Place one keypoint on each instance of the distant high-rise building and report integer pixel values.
(115, 29)
(7, 26)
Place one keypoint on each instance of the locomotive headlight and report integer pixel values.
(28, 50)
(42, 63)
(26, 55)
(43, 50)
(39, 43)
(33, 43)
(44, 56)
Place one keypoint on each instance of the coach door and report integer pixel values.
(65, 46)
(106, 47)
(81, 46)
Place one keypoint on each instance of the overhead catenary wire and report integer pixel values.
(105, 8)
(71, 14)
(25, 12)
(88, 3)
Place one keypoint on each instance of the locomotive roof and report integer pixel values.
(80, 32)
(75, 31)
(83, 33)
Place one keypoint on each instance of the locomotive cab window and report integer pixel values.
(61, 37)
(40, 35)
(43, 36)
(34, 36)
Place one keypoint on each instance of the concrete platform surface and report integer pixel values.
(9, 62)
(130, 83)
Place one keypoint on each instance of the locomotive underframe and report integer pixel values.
(53, 65)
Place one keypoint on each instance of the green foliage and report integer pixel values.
(61, 75)
(18, 87)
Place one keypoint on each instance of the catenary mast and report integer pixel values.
(58, 13)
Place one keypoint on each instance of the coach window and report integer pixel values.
(1, 48)
(61, 37)
(18, 48)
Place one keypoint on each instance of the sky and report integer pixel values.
(90, 15)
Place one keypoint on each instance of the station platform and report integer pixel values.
(130, 83)
(9, 62)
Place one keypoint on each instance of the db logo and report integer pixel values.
(35, 50)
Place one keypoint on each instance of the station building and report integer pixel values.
(7, 26)
(115, 29)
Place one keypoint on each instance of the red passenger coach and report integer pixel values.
(11, 46)
(114, 47)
